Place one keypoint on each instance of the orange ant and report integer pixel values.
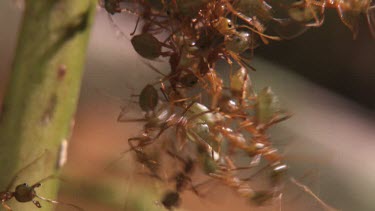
(296, 13)
(216, 87)
(262, 12)
(348, 10)
(241, 88)
(267, 113)
(258, 197)
(261, 197)
(278, 172)
(254, 24)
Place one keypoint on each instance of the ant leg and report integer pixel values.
(174, 155)
(152, 67)
(6, 206)
(37, 204)
(256, 173)
(280, 198)
(184, 136)
(164, 91)
(318, 22)
(142, 141)
(193, 188)
(37, 185)
(121, 118)
(165, 127)
(204, 183)
(136, 25)
(260, 33)
(57, 202)
(255, 160)
(313, 175)
(309, 191)
(274, 120)
(230, 163)
(207, 147)
(122, 154)
(242, 61)
(117, 28)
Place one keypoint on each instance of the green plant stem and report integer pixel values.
(37, 112)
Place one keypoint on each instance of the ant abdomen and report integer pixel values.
(171, 199)
(24, 193)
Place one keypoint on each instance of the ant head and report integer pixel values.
(24, 192)
(224, 26)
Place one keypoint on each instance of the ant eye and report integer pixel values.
(24, 184)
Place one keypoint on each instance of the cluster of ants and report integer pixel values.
(194, 35)
(217, 118)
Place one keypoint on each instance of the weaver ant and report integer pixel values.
(258, 197)
(349, 12)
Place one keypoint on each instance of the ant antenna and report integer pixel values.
(11, 183)
(53, 176)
